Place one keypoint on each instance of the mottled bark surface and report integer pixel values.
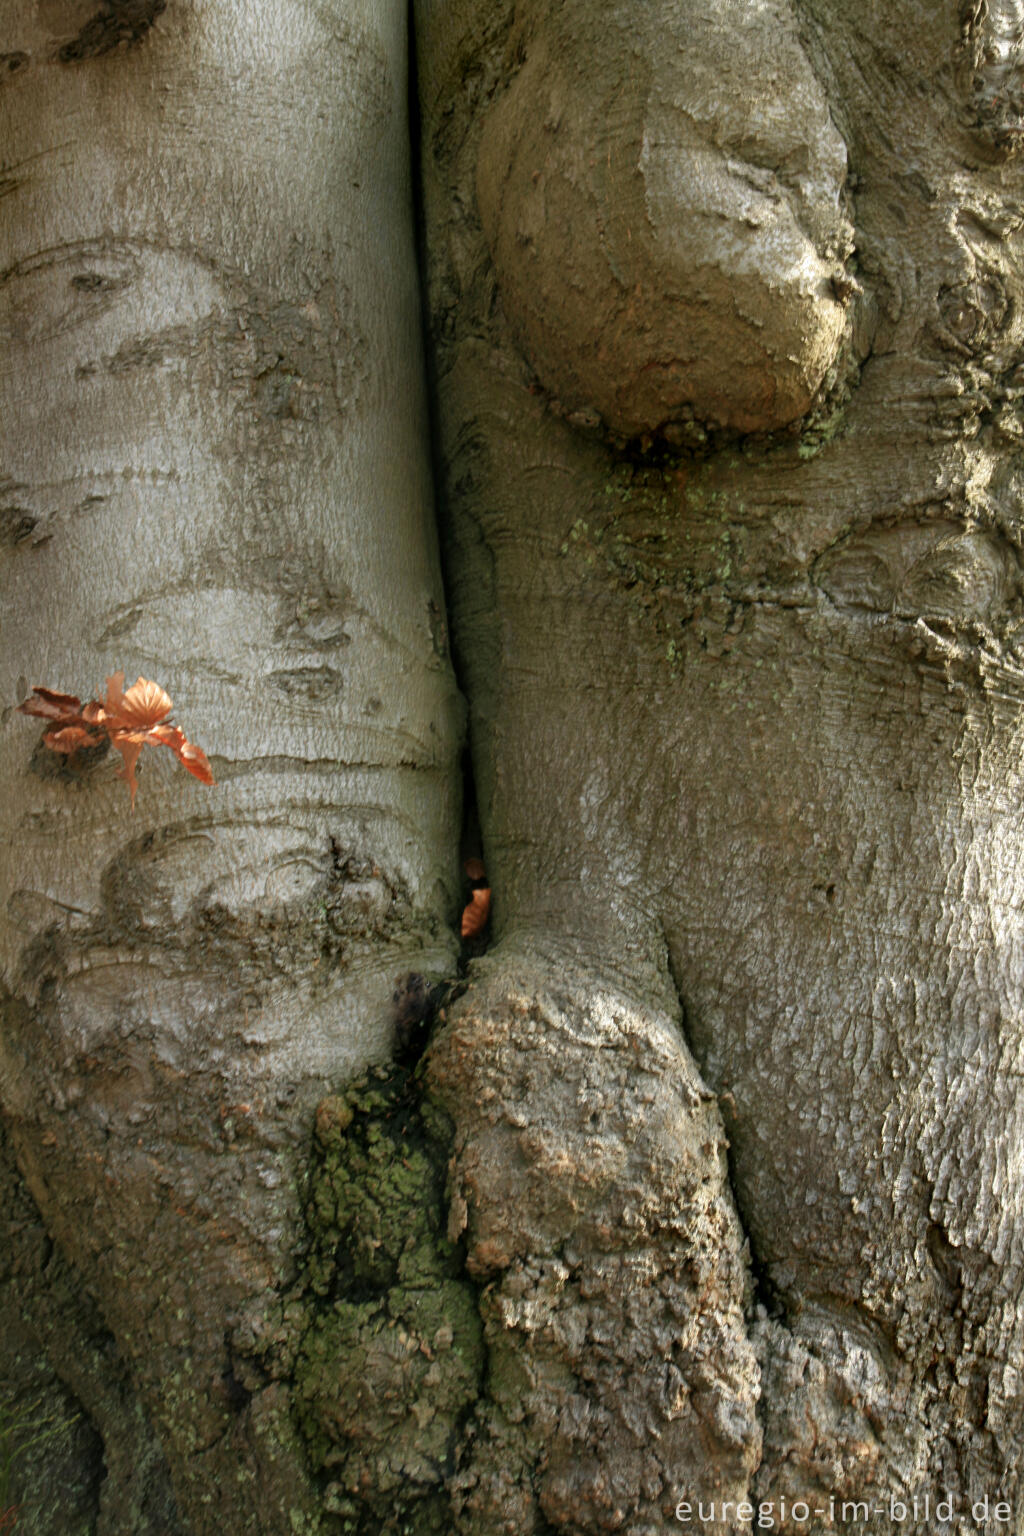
(707, 1185)
(726, 309)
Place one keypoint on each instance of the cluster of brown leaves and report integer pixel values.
(128, 720)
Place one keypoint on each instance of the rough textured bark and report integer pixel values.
(726, 308)
(708, 1185)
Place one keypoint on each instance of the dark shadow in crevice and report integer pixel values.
(116, 22)
(471, 840)
(765, 1292)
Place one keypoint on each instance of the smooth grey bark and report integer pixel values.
(709, 1183)
(215, 474)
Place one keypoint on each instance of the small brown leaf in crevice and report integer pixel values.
(478, 908)
(476, 912)
(129, 720)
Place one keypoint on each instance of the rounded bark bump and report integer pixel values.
(588, 1179)
(666, 215)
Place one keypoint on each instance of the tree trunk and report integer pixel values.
(706, 1189)
(216, 474)
(726, 308)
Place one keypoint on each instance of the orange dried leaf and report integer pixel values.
(69, 738)
(115, 690)
(49, 705)
(476, 912)
(129, 719)
(196, 761)
(143, 706)
(189, 756)
(129, 747)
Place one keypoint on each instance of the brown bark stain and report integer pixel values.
(117, 22)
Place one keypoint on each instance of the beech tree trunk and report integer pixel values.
(696, 1186)
(216, 474)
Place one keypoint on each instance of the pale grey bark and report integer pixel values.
(215, 474)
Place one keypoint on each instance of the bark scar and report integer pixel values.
(116, 22)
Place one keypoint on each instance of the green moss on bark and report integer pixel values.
(390, 1357)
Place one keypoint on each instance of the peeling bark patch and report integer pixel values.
(286, 363)
(116, 22)
(155, 351)
(296, 363)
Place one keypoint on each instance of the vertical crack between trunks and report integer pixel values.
(470, 841)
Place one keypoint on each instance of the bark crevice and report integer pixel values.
(115, 23)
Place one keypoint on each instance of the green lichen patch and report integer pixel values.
(391, 1357)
